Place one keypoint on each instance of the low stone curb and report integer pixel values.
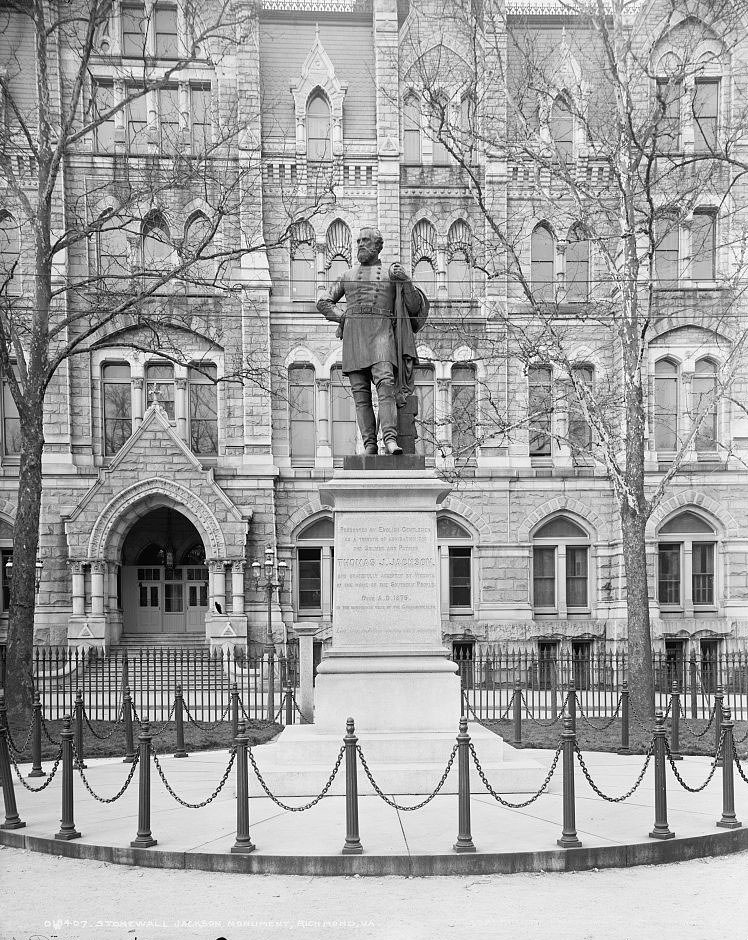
(583, 859)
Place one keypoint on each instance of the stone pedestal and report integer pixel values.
(387, 668)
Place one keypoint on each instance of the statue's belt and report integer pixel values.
(369, 308)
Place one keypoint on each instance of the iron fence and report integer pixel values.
(490, 675)
(153, 674)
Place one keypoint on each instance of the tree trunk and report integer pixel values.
(640, 674)
(19, 681)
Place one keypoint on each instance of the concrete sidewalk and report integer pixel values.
(507, 839)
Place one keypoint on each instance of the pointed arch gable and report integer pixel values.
(469, 517)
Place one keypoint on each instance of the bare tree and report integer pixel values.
(602, 138)
(97, 189)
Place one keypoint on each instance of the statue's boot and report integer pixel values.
(388, 417)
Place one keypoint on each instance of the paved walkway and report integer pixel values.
(384, 832)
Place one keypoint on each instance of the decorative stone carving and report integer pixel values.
(319, 72)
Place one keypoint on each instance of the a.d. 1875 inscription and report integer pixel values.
(386, 589)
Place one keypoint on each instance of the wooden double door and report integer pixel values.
(157, 599)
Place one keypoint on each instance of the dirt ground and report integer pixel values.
(45, 898)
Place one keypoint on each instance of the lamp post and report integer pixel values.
(273, 579)
(38, 577)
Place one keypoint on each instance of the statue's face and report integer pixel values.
(367, 247)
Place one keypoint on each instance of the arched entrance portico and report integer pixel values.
(153, 560)
(164, 577)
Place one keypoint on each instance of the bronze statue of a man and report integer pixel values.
(383, 311)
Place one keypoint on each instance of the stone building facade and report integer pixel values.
(156, 538)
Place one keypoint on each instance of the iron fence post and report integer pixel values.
(67, 824)
(179, 722)
(718, 702)
(675, 722)
(144, 838)
(625, 747)
(289, 705)
(569, 838)
(517, 715)
(571, 705)
(79, 756)
(234, 710)
(693, 688)
(271, 682)
(36, 739)
(464, 837)
(661, 829)
(127, 715)
(243, 844)
(12, 819)
(729, 819)
(352, 840)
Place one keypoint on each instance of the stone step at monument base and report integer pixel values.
(299, 762)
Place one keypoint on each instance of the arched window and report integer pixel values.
(10, 249)
(669, 94)
(577, 266)
(542, 263)
(412, 130)
(302, 426)
(705, 109)
(580, 433)
(666, 405)
(318, 128)
(540, 409)
(159, 386)
(560, 567)
(117, 405)
(203, 390)
(467, 126)
(11, 420)
(112, 254)
(303, 262)
(425, 422)
(338, 250)
(343, 415)
(314, 566)
(456, 553)
(704, 391)
(423, 253)
(459, 269)
(667, 252)
(158, 256)
(464, 417)
(562, 128)
(200, 275)
(685, 562)
(701, 265)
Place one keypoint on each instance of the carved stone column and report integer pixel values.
(79, 588)
(137, 400)
(98, 570)
(181, 408)
(237, 586)
(218, 570)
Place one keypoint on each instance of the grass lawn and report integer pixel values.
(165, 743)
(609, 739)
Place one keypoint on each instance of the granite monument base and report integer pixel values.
(387, 668)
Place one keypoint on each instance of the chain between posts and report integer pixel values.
(207, 800)
(102, 737)
(163, 727)
(545, 724)
(47, 735)
(605, 796)
(12, 743)
(481, 721)
(605, 725)
(740, 767)
(311, 803)
(507, 803)
(102, 799)
(392, 803)
(715, 764)
(689, 729)
(743, 739)
(46, 782)
(198, 724)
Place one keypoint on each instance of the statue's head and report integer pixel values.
(368, 245)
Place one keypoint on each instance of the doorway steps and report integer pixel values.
(142, 641)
